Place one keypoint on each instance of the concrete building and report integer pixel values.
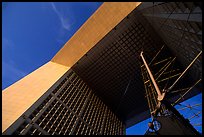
(81, 90)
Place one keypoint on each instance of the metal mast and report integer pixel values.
(166, 120)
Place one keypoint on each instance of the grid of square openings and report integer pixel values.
(100, 118)
(117, 61)
(183, 37)
(192, 29)
(62, 111)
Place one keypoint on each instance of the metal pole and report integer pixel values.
(183, 72)
(160, 96)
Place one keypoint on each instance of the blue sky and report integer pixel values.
(32, 33)
(140, 128)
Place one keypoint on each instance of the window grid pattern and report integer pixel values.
(71, 108)
(180, 26)
(113, 62)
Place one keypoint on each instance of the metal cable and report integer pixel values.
(169, 76)
(185, 93)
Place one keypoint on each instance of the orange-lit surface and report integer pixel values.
(93, 30)
(17, 98)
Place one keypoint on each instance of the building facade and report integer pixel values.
(93, 85)
(69, 107)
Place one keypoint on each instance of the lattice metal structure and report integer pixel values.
(112, 63)
(118, 52)
(179, 24)
(166, 120)
(69, 108)
(103, 92)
